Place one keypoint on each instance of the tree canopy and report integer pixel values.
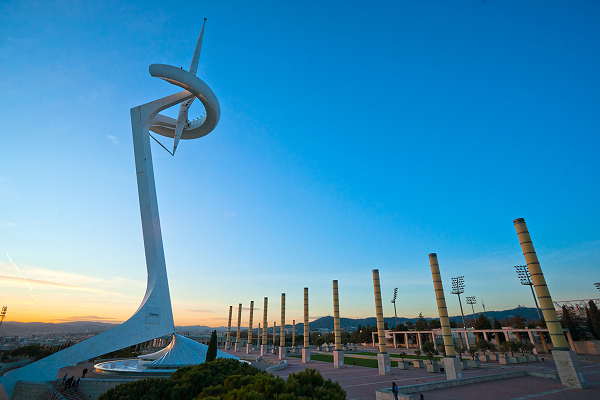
(229, 380)
(593, 319)
(483, 322)
(421, 324)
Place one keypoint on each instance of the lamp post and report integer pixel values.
(597, 285)
(471, 300)
(394, 302)
(458, 287)
(525, 278)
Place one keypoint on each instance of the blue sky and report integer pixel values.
(352, 136)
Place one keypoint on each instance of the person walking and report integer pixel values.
(395, 390)
(64, 380)
(69, 382)
(85, 371)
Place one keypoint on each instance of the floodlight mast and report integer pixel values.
(471, 300)
(394, 302)
(525, 278)
(458, 287)
(2, 315)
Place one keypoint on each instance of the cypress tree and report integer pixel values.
(570, 323)
(593, 319)
(211, 353)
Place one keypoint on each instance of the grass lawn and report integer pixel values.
(361, 362)
(408, 356)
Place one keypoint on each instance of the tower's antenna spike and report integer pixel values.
(196, 57)
(183, 109)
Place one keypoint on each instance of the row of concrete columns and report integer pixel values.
(282, 348)
(567, 364)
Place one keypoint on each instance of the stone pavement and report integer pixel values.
(361, 382)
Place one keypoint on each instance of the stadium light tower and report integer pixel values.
(458, 287)
(394, 302)
(525, 278)
(471, 300)
(2, 315)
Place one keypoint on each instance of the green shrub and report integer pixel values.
(228, 379)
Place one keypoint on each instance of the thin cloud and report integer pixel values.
(22, 277)
(113, 139)
(48, 284)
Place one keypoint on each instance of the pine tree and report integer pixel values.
(497, 324)
(211, 353)
(483, 322)
(570, 323)
(421, 323)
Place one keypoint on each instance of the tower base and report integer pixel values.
(263, 350)
(453, 368)
(384, 364)
(282, 352)
(338, 359)
(249, 348)
(569, 369)
(305, 355)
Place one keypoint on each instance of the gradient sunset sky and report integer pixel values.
(353, 136)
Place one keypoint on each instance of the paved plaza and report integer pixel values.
(361, 382)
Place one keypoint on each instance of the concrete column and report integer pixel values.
(485, 336)
(274, 330)
(406, 340)
(282, 348)
(543, 342)
(497, 336)
(228, 341)
(532, 340)
(264, 342)
(442, 309)
(570, 339)
(258, 336)
(541, 289)
(338, 354)
(239, 328)
(452, 365)
(293, 333)
(383, 358)
(567, 363)
(306, 344)
(249, 345)
(394, 337)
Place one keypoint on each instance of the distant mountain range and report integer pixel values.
(352, 323)
(28, 328)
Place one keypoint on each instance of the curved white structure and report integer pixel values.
(154, 317)
(181, 352)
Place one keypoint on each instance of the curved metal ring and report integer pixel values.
(164, 125)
